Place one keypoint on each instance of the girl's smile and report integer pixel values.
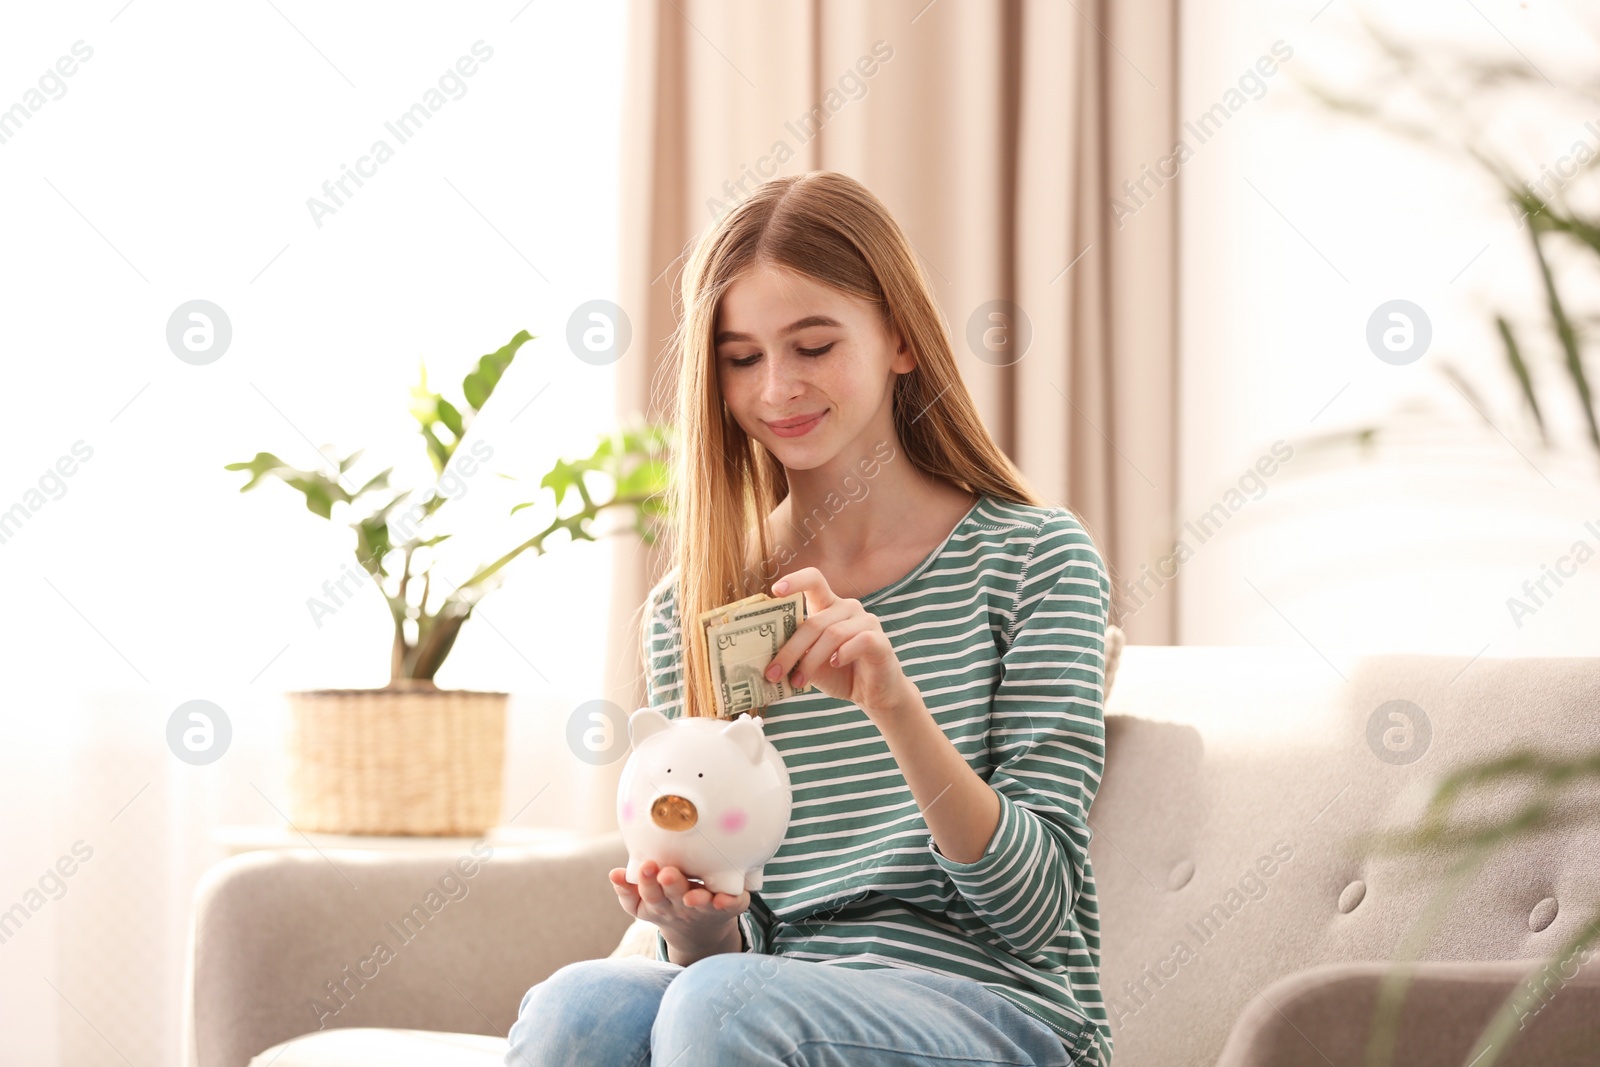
(797, 429)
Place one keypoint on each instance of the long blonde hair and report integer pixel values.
(830, 228)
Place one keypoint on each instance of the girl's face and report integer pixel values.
(790, 349)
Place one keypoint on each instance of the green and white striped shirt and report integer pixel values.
(1002, 630)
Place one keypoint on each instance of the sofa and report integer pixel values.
(1247, 919)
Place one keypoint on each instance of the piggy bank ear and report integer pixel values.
(746, 734)
(645, 723)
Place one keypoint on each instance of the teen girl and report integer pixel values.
(932, 900)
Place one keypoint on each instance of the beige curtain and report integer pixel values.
(998, 133)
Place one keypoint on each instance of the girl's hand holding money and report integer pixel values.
(840, 647)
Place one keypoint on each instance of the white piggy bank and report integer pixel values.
(707, 796)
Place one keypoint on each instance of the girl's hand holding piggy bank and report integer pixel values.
(692, 918)
(702, 804)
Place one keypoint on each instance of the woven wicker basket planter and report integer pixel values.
(424, 762)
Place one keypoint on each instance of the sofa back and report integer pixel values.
(1236, 782)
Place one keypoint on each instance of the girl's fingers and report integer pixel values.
(804, 638)
(627, 896)
(812, 582)
(668, 887)
(693, 896)
(828, 642)
(649, 889)
(671, 884)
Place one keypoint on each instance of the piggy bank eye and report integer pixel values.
(702, 774)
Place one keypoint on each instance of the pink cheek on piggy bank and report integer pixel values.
(627, 811)
(732, 821)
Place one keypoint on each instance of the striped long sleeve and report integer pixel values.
(1002, 629)
(1047, 743)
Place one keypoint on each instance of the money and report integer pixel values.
(742, 639)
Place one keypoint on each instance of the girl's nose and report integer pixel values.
(779, 385)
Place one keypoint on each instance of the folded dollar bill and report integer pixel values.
(742, 638)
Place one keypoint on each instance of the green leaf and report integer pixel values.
(377, 481)
(372, 543)
(321, 492)
(649, 474)
(450, 417)
(478, 386)
(562, 478)
(1568, 337)
(1520, 369)
(424, 401)
(264, 463)
(349, 461)
(319, 498)
(1587, 232)
(646, 478)
(438, 451)
(372, 534)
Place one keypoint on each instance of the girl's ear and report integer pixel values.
(645, 723)
(904, 360)
(746, 734)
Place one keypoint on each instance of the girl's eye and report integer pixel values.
(812, 352)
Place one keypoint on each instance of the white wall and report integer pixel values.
(1296, 225)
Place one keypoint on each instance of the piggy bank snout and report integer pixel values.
(672, 812)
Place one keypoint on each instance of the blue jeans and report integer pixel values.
(749, 1008)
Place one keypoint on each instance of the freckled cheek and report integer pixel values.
(733, 820)
(739, 411)
(733, 381)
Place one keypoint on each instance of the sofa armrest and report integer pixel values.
(1325, 1014)
(290, 941)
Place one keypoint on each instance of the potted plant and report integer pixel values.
(411, 758)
